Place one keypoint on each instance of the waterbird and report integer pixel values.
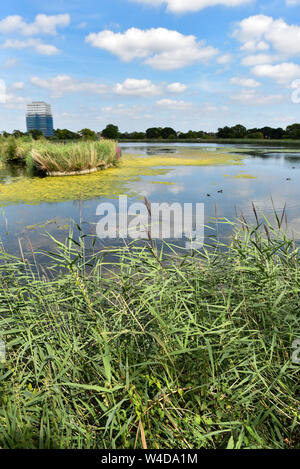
(220, 192)
(208, 195)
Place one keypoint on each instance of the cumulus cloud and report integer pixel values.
(173, 105)
(14, 102)
(43, 24)
(62, 84)
(36, 44)
(251, 97)
(179, 6)
(224, 59)
(18, 85)
(283, 73)
(260, 31)
(133, 87)
(258, 59)
(245, 82)
(160, 48)
(176, 88)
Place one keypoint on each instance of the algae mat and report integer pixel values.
(109, 183)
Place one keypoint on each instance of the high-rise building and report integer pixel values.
(39, 117)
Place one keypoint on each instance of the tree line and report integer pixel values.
(168, 133)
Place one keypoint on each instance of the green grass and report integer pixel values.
(168, 351)
(57, 157)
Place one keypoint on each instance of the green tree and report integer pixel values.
(256, 135)
(225, 132)
(154, 132)
(36, 134)
(65, 134)
(239, 131)
(168, 132)
(111, 132)
(18, 133)
(293, 131)
(87, 134)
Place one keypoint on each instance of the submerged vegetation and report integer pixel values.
(59, 158)
(158, 351)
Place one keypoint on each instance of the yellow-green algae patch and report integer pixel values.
(109, 183)
(165, 183)
(241, 176)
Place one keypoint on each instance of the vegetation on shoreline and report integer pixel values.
(174, 351)
(59, 158)
(237, 132)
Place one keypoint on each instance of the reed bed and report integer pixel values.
(160, 350)
(58, 158)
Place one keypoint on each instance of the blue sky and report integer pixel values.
(188, 64)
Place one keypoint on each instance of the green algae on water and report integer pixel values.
(109, 183)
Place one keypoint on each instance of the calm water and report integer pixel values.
(261, 174)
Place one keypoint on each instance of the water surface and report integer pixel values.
(187, 173)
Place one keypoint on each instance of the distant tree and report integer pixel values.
(256, 135)
(191, 134)
(18, 133)
(154, 132)
(65, 134)
(125, 135)
(111, 132)
(137, 136)
(270, 133)
(87, 134)
(225, 132)
(293, 131)
(36, 134)
(168, 132)
(239, 131)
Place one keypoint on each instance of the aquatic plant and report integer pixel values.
(78, 156)
(160, 350)
(58, 157)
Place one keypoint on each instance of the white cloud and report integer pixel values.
(292, 3)
(10, 63)
(42, 24)
(259, 59)
(260, 31)
(62, 84)
(252, 46)
(180, 6)
(15, 102)
(207, 107)
(177, 88)
(224, 59)
(133, 87)
(18, 85)
(120, 111)
(160, 48)
(174, 105)
(36, 44)
(245, 82)
(283, 73)
(251, 97)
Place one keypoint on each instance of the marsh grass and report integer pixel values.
(57, 157)
(160, 350)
